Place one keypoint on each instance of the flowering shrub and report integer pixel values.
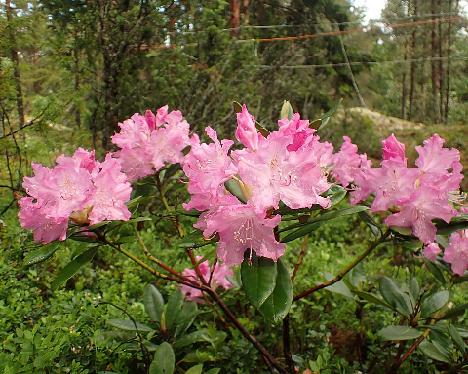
(241, 192)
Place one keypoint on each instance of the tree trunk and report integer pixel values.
(440, 65)
(77, 84)
(447, 66)
(413, 64)
(235, 17)
(404, 88)
(435, 73)
(15, 59)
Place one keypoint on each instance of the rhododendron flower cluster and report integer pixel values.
(77, 188)
(149, 142)
(415, 195)
(219, 275)
(288, 165)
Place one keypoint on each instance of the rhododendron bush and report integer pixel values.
(251, 196)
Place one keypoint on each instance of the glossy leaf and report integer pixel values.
(153, 302)
(317, 221)
(74, 266)
(278, 304)
(258, 278)
(399, 333)
(431, 351)
(129, 325)
(163, 361)
(394, 296)
(457, 339)
(173, 308)
(340, 288)
(434, 269)
(434, 303)
(41, 254)
(373, 299)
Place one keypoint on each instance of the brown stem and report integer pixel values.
(152, 258)
(410, 351)
(345, 271)
(287, 344)
(300, 258)
(269, 359)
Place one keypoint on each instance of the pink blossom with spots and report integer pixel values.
(241, 228)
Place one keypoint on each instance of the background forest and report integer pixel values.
(71, 70)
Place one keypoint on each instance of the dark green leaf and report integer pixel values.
(41, 254)
(369, 221)
(399, 333)
(317, 221)
(430, 350)
(371, 298)
(340, 288)
(129, 325)
(435, 271)
(163, 361)
(394, 296)
(434, 303)
(277, 305)
(186, 317)
(74, 266)
(173, 308)
(457, 339)
(153, 301)
(258, 278)
(414, 288)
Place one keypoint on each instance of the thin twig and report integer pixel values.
(345, 271)
(152, 258)
(300, 258)
(269, 359)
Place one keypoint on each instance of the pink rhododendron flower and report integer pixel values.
(299, 129)
(431, 251)
(149, 142)
(240, 228)
(207, 166)
(111, 193)
(220, 278)
(78, 187)
(456, 254)
(419, 194)
(246, 131)
(393, 150)
(274, 174)
(347, 163)
(34, 216)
